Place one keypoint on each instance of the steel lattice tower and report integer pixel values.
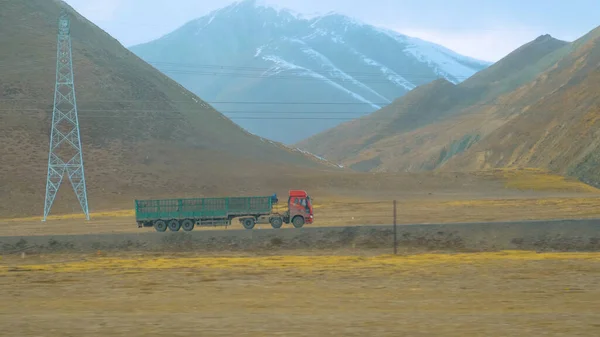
(65, 155)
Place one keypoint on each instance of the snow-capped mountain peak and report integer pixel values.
(279, 55)
(333, 19)
(258, 7)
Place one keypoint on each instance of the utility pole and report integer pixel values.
(395, 231)
(65, 155)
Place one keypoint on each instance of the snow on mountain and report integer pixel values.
(252, 52)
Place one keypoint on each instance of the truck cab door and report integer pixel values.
(296, 207)
(299, 206)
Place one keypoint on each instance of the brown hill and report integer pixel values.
(425, 128)
(558, 127)
(408, 113)
(143, 134)
(520, 66)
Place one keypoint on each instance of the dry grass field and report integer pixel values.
(552, 197)
(339, 213)
(527, 194)
(349, 293)
(487, 294)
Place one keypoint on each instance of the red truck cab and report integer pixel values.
(300, 208)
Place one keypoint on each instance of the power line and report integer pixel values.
(265, 69)
(291, 73)
(385, 105)
(221, 111)
(245, 69)
(126, 116)
(191, 101)
(225, 114)
(458, 27)
(254, 114)
(309, 75)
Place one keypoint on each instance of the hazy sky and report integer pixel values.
(485, 29)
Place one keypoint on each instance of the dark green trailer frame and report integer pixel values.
(187, 213)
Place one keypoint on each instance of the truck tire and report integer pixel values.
(187, 225)
(248, 223)
(174, 225)
(160, 226)
(298, 221)
(276, 222)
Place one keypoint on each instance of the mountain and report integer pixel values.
(538, 107)
(557, 128)
(143, 134)
(417, 130)
(248, 52)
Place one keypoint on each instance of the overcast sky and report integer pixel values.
(485, 29)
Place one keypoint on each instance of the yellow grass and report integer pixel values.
(566, 204)
(120, 214)
(329, 212)
(509, 293)
(80, 216)
(345, 208)
(347, 211)
(307, 264)
(533, 179)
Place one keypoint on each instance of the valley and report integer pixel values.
(451, 196)
(145, 136)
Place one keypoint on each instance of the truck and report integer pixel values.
(176, 214)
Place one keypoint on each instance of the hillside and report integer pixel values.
(247, 52)
(433, 123)
(558, 129)
(143, 134)
(418, 108)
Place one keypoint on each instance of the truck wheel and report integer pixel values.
(276, 222)
(174, 225)
(187, 225)
(248, 223)
(160, 226)
(298, 222)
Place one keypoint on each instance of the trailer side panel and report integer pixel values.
(201, 208)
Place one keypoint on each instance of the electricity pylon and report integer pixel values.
(65, 155)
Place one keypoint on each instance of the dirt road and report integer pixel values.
(556, 235)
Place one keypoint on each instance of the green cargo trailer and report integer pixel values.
(187, 213)
(176, 214)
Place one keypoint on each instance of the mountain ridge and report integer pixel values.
(274, 53)
(564, 111)
(541, 112)
(443, 120)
